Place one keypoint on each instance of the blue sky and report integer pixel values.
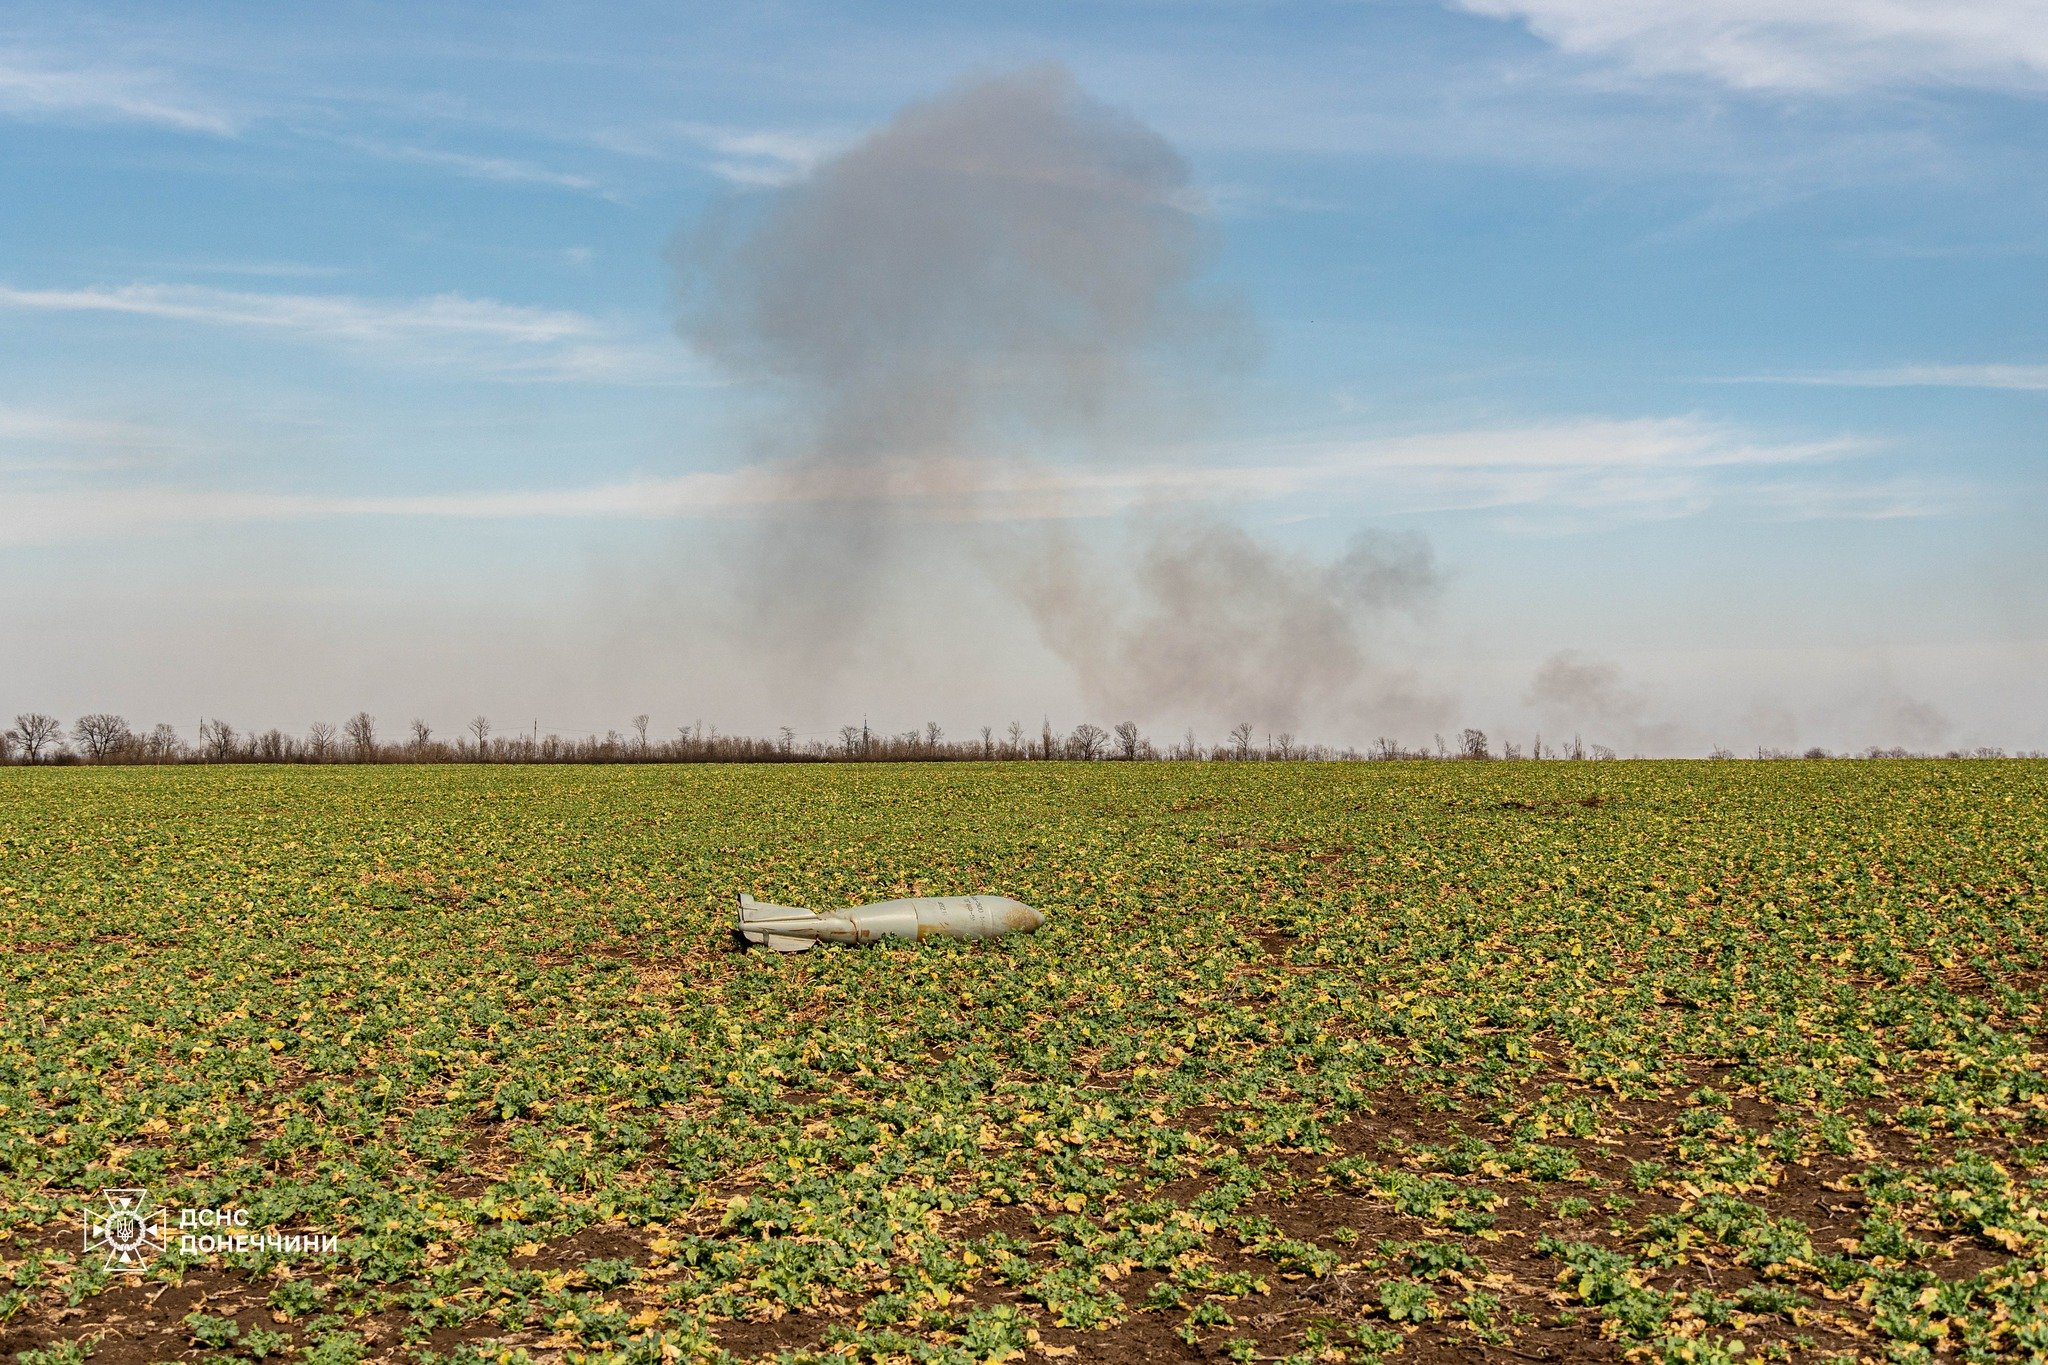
(1703, 342)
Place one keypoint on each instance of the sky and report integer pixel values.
(1683, 365)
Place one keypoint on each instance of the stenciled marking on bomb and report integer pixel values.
(790, 929)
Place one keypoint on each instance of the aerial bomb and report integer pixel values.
(788, 929)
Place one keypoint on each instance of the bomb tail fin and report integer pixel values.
(758, 922)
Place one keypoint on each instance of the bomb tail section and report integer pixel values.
(784, 928)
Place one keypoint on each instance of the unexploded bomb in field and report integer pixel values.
(788, 929)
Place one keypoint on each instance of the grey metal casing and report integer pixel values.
(790, 929)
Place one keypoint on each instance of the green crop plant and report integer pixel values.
(1308, 1061)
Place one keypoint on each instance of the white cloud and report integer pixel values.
(37, 87)
(41, 516)
(315, 314)
(763, 157)
(1590, 444)
(250, 269)
(766, 158)
(1886, 499)
(1564, 475)
(497, 169)
(2024, 378)
(41, 443)
(1801, 45)
(500, 340)
(24, 425)
(1613, 470)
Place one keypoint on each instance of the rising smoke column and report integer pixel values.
(1002, 272)
(1006, 277)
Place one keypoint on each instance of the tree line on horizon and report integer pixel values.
(102, 738)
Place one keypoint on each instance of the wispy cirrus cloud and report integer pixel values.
(1801, 45)
(36, 444)
(1572, 474)
(1569, 472)
(2021, 378)
(30, 424)
(498, 340)
(762, 157)
(329, 315)
(249, 269)
(1891, 498)
(34, 85)
(499, 170)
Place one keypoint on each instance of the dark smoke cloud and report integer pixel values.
(997, 264)
(1008, 274)
(1004, 271)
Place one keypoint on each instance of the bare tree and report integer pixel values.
(1127, 739)
(640, 729)
(361, 729)
(850, 738)
(1472, 744)
(37, 734)
(272, 746)
(1016, 746)
(217, 738)
(421, 734)
(319, 741)
(99, 735)
(163, 744)
(6, 745)
(1087, 741)
(480, 726)
(932, 735)
(988, 742)
(1241, 740)
(788, 745)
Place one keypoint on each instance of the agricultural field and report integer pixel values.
(1412, 1061)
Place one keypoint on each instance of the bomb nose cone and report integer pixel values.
(1016, 916)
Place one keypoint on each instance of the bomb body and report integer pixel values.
(789, 929)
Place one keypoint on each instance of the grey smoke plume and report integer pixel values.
(1209, 621)
(1008, 274)
(1004, 271)
(1916, 723)
(1571, 691)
